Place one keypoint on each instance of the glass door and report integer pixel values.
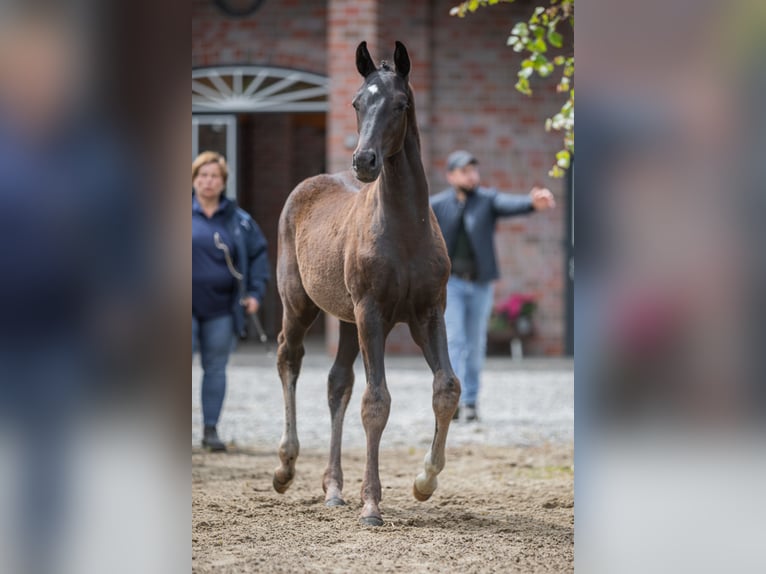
(217, 133)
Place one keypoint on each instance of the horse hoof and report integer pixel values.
(279, 486)
(419, 495)
(335, 502)
(371, 521)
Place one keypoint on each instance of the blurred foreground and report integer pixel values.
(669, 300)
(89, 478)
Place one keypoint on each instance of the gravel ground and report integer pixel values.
(522, 403)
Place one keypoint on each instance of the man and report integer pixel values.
(467, 214)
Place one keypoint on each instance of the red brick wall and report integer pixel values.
(283, 33)
(463, 76)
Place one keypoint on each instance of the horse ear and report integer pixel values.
(401, 59)
(364, 62)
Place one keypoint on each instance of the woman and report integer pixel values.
(220, 301)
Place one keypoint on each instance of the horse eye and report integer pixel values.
(355, 105)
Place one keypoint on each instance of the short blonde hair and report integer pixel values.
(207, 157)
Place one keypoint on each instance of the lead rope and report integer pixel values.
(229, 263)
(239, 277)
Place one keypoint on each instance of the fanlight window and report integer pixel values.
(242, 89)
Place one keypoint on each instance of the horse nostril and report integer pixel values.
(366, 160)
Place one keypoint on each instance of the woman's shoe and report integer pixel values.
(211, 441)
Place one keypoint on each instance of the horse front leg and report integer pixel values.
(289, 359)
(430, 334)
(376, 404)
(339, 385)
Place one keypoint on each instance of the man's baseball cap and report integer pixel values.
(460, 158)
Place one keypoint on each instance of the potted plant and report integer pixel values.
(515, 314)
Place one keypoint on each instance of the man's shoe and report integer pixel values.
(470, 414)
(211, 441)
(456, 416)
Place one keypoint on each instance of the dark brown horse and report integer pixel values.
(365, 247)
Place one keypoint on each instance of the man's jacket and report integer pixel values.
(482, 209)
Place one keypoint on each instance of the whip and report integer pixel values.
(240, 281)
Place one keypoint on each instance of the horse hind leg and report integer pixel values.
(431, 336)
(289, 358)
(339, 385)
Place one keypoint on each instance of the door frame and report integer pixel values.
(230, 121)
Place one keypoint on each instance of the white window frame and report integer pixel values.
(230, 121)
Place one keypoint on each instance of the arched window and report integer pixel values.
(243, 89)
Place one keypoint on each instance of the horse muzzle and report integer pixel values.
(366, 165)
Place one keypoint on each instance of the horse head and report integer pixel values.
(381, 106)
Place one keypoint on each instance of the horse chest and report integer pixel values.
(398, 273)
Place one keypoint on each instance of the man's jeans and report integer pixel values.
(469, 306)
(214, 339)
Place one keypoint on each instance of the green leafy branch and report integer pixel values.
(534, 38)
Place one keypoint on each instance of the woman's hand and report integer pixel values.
(251, 305)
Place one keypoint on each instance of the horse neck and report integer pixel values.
(403, 185)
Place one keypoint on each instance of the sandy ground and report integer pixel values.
(497, 509)
(505, 497)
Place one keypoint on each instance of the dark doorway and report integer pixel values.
(276, 152)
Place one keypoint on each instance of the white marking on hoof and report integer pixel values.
(426, 481)
(425, 485)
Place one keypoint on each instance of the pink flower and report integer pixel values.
(516, 305)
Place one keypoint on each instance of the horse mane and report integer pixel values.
(384, 65)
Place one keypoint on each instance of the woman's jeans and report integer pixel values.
(469, 306)
(214, 338)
